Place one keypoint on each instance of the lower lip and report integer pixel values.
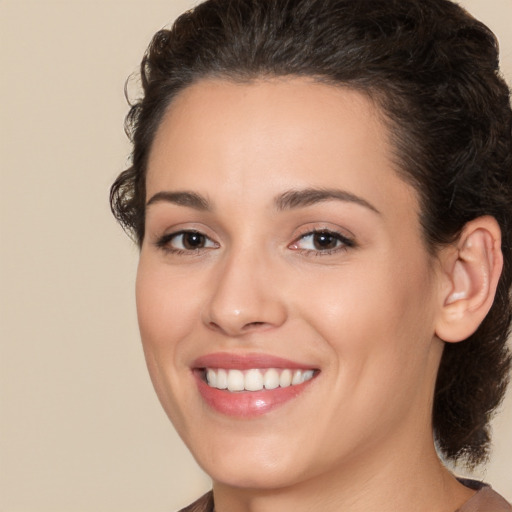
(247, 404)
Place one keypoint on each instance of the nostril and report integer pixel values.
(234, 330)
(252, 325)
(214, 326)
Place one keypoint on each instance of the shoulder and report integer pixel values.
(203, 504)
(485, 500)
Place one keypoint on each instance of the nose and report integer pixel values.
(244, 296)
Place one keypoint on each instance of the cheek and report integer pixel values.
(373, 311)
(378, 325)
(166, 312)
(166, 307)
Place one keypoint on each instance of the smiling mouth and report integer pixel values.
(255, 379)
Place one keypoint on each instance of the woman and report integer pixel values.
(322, 195)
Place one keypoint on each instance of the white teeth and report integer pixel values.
(271, 379)
(211, 377)
(297, 377)
(253, 380)
(285, 379)
(256, 379)
(222, 379)
(307, 375)
(235, 380)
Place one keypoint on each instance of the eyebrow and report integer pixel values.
(181, 198)
(309, 196)
(289, 200)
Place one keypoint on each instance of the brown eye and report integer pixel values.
(186, 241)
(324, 241)
(192, 240)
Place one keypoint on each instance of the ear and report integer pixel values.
(471, 271)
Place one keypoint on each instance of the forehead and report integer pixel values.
(254, 139)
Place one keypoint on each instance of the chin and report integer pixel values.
(251, 474)
(257, 463)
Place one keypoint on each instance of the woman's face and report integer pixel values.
(283, 258)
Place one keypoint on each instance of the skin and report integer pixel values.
(365, 314)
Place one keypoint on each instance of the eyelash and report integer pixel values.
(342, 243)
(164, 242)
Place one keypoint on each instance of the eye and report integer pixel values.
(323, 241)
(186, 241)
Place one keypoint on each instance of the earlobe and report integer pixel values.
(471, 272)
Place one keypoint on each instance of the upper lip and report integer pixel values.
(233, 361)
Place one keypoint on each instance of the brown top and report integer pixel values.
(485, 500)
(203, 504)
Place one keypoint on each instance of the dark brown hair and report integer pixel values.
(433, 70)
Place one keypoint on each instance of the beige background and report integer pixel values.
(81, 429)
